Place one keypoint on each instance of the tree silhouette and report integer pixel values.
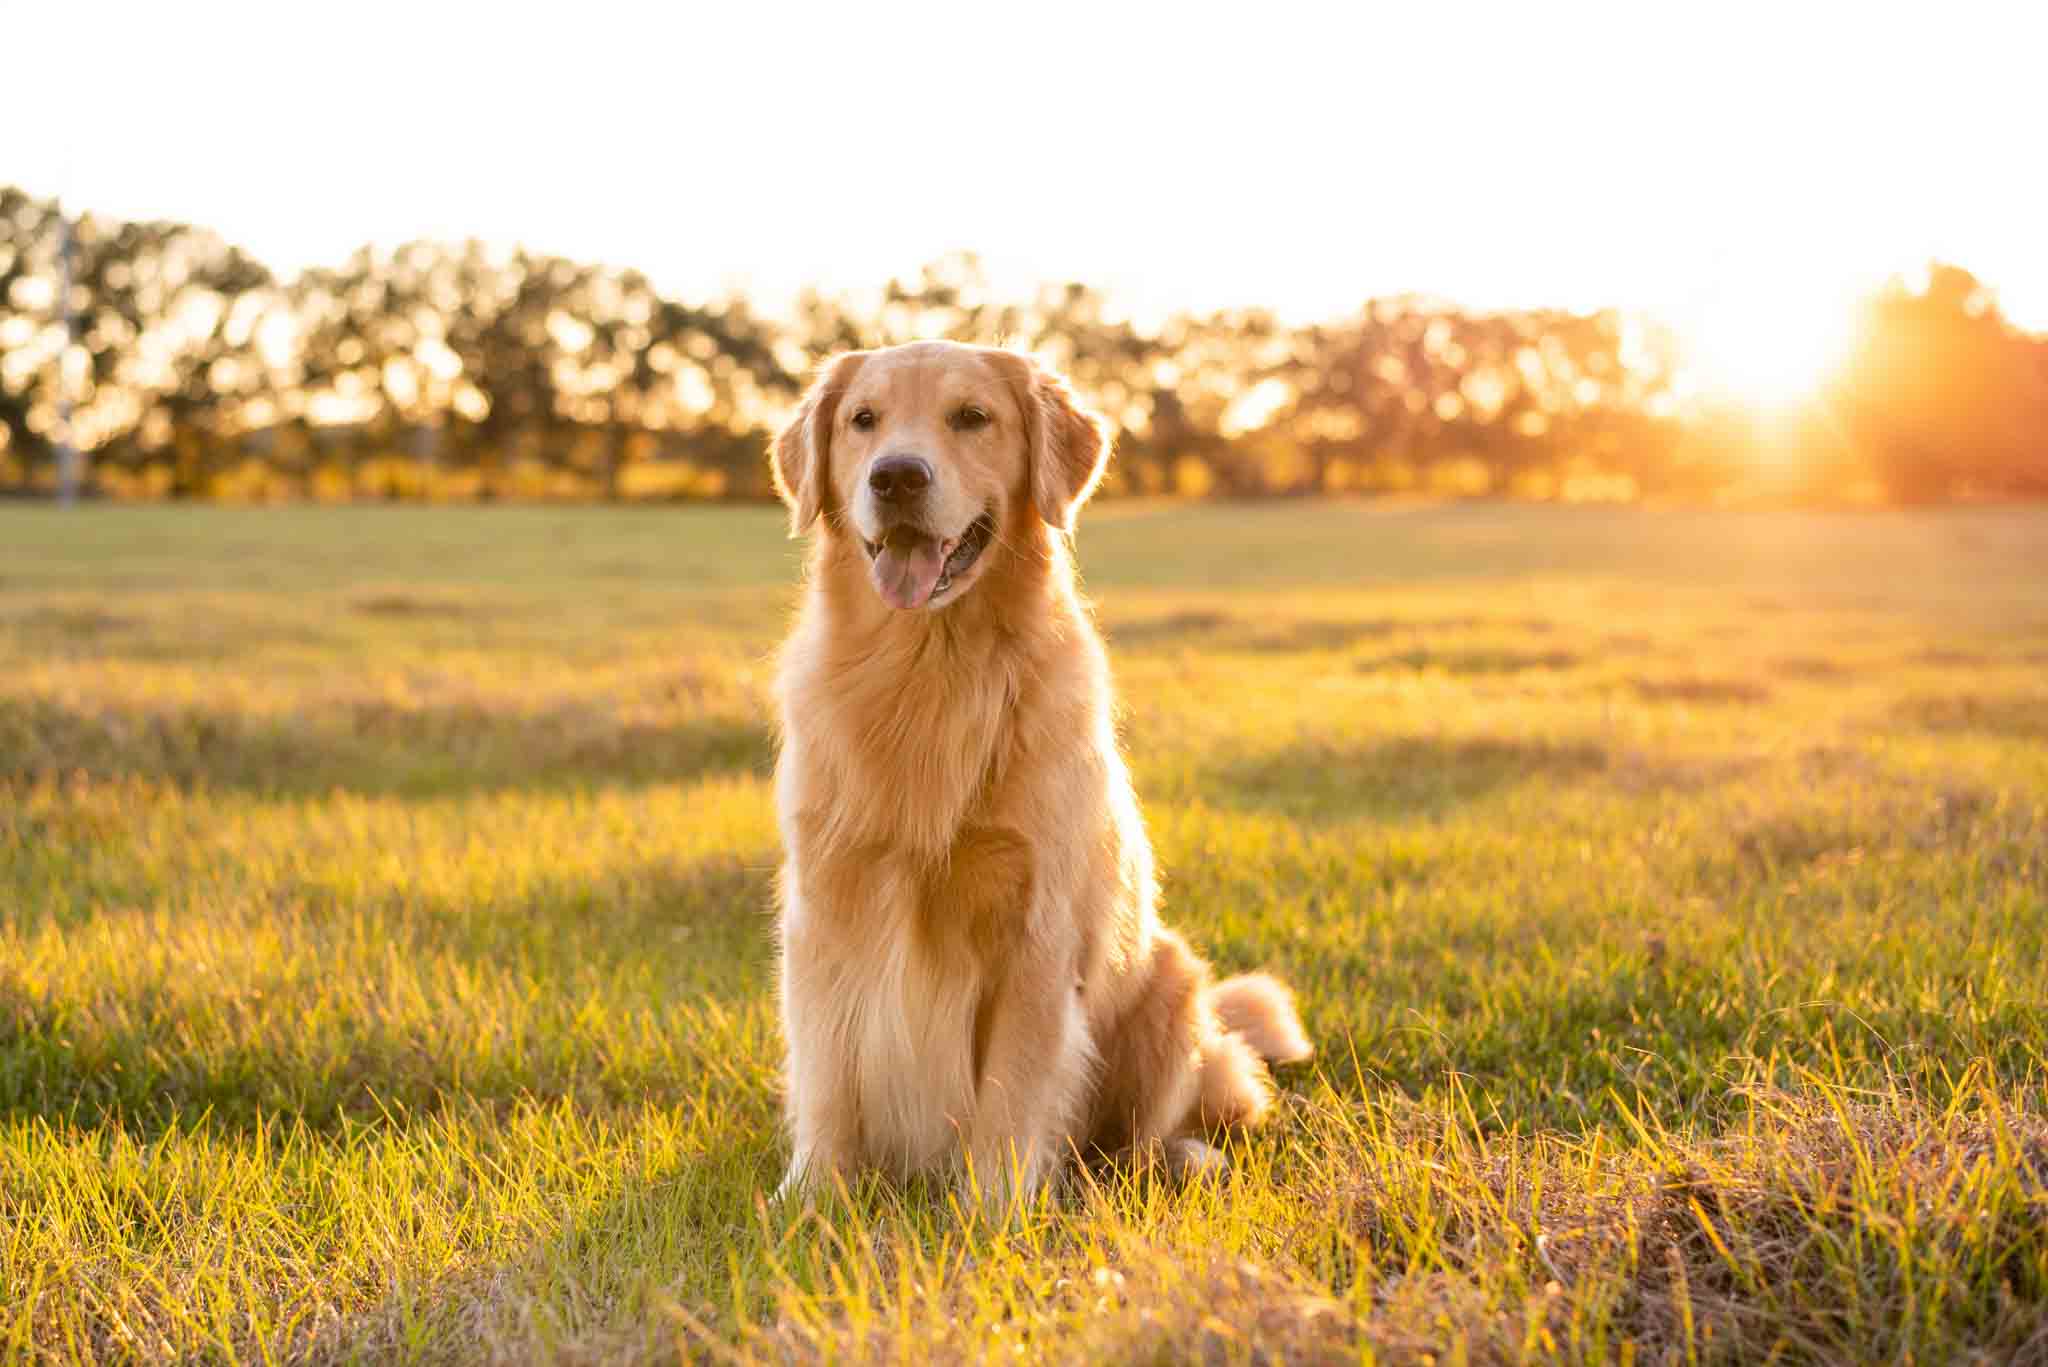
(1947, 399)
(439, 370)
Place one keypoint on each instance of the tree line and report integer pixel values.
(176, 365)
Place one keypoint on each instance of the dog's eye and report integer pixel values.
(971, 418)
(864, 419)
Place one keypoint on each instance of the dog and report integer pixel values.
(974, 978)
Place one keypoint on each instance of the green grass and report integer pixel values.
(385, 967)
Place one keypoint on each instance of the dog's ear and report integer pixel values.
(1068, 445)
(799, 455)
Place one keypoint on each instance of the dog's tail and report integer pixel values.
(1258, 1007)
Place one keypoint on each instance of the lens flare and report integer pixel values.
(1770, 343)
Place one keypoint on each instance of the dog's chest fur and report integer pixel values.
(896, 751)
(902, 795)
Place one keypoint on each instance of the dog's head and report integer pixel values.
(926, 455)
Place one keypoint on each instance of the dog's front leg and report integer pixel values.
(822, 1137)
(1034, 1056)
(824, 1127)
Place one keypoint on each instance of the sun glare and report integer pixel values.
(1772, 347)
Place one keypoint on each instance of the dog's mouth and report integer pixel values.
(912, 567)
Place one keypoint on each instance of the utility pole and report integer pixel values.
(68, 457)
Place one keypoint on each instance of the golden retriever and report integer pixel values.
(973, 974)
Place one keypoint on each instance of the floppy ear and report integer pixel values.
(1069, 448)
(798, 458)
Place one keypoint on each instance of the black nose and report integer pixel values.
(894, 478)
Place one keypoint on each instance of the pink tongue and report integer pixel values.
(906, 571)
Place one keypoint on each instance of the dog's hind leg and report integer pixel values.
(1186, 1058)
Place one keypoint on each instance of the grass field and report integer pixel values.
(385, 967)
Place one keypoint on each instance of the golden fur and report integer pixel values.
(973, 973)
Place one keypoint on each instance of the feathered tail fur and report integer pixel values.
(1258, 1007)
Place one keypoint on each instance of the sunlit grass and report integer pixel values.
(385, 966)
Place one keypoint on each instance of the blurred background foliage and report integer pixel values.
(177, 366)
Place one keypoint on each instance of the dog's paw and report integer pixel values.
(1187, 1159)
(1001, 1190)
(795, 1184)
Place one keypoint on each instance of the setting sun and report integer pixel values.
(1772, 343)
(1772, 366)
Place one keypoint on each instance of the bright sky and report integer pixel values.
(1725, 165)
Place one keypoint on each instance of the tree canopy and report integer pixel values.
(183, 367)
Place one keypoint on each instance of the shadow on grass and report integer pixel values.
(2017, 716)
(1481, 661)
(1699, 689)
(84, 631)
(1813, 667)
(1321, 782)
(552, 995)
(1179, 628)
(373, 748)
(1227, 631)
(63, 622)
(396, 604)
(1920, 817)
